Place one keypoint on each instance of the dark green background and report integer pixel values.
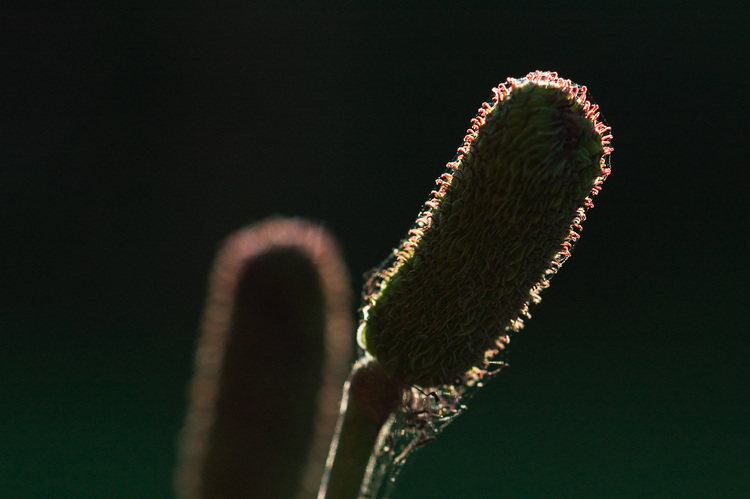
(132, 142)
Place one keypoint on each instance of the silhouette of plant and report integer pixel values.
(435, 320)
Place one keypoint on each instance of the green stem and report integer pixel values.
(370, 396)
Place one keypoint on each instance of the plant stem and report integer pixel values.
(370, 396)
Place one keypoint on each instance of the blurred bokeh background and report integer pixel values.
(132, 142)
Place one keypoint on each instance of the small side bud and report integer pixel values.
(274, 352)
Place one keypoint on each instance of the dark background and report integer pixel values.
(132, 142)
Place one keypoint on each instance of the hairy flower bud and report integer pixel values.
(501, 222)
